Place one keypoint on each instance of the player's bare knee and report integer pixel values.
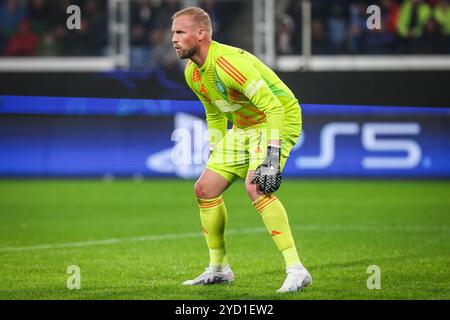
(202, 191)
(199, 190)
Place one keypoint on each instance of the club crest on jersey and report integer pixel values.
(220, 87)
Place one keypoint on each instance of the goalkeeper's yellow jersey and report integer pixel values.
(235, 85)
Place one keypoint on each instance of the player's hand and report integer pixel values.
(268, 174)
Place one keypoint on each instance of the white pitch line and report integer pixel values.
(102, 242)
(176, 236)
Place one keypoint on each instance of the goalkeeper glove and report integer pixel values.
(268, 174)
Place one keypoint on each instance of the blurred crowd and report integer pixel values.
(339, 27)
(38, 27)
(151, 24)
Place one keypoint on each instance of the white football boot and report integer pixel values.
(213, 275)
(297, 279)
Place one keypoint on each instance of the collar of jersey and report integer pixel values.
(208, 57)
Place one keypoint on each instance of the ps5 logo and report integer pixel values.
(187, 157)
(372, 140)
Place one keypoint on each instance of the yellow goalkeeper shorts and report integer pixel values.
(242, 150)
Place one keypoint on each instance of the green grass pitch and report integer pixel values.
(141, 240)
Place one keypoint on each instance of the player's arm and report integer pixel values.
(215, 119)
(238, 75)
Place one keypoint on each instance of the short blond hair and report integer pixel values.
(200, 16)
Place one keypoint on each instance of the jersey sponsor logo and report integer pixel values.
(226, 106)
(371, 142)
(253, 87)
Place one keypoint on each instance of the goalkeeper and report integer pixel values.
(233, 85)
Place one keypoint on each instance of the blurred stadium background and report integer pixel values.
(109, 101)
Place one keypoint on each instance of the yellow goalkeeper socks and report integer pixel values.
(213, 216)
(276, 221)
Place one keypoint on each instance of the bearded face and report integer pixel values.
(185, 37)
